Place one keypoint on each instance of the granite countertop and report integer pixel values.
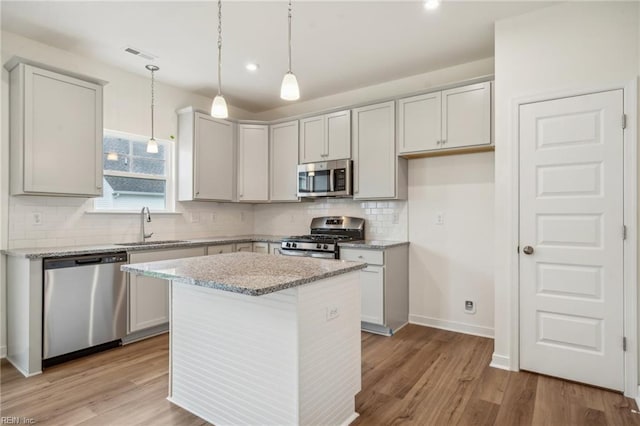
(253, 274)
(373, 244)
(39, 253)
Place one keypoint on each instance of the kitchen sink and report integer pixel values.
(151, 243)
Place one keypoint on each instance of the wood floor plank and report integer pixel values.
(420, 376)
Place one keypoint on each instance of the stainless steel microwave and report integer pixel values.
(326, 179)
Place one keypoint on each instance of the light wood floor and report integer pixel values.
(420, 376)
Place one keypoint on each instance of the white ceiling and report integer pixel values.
(337, 45)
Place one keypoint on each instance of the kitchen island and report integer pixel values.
(262, 339)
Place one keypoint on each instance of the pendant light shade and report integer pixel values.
(219, 105)
(289, 91)
(152, 145)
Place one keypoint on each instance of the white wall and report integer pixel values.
(571, 46)
(452, 262)
(126, 108)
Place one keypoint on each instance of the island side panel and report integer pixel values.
(330, 350)
(233, 356)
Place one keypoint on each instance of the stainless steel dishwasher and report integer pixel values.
(85, 305)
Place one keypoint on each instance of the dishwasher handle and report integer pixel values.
(89, 261)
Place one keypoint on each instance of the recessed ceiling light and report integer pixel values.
(252, 66)
(431, 4)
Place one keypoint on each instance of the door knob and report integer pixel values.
(527, 250)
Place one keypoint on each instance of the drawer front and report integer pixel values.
(219, 249)
(372, 257)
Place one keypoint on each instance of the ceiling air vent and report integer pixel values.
(137, 52)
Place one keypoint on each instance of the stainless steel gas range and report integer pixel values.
(326, 233)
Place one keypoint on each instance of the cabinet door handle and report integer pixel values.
(98, 186)
(371, 272)
(438, 142)
(444, 141)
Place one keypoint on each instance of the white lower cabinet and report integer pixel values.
(274, 248)
(385, 287)
(372, 308)
(244, 247)
(261, 247)
(222, 248)
(149, 297)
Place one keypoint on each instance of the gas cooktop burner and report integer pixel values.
(326, 233)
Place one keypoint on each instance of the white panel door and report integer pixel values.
(213, 159)
(571, 247)
(253, 162)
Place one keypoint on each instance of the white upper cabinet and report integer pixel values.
(253, 162)
(325, 137)
(283, 154)
(454, 118)
(466, 116)
(56, 133)
(206, 157)
(374, 151)
(419, 121)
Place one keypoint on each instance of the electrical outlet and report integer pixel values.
(439, 218)
(195, 217)
(241, 216)
(212, 217)
(469, 307)
(292, 218)
(332, 313)
(396, 219)
(36, 218)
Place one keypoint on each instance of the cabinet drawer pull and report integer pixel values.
(371, 272)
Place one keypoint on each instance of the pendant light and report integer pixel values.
(289, 91)
(152, 145)
(219, 105)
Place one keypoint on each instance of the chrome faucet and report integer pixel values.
(144, 235)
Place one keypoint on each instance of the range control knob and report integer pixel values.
(318, 246)
(294, 245)
(288, 244)
(325, 247)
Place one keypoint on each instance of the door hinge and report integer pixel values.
(624, 121)
(624, 344)
(624, 232)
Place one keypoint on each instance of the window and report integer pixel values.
(134, 178)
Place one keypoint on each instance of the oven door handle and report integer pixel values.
(298, 253)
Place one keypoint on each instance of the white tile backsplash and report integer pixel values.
(384, 220)
(66, 223)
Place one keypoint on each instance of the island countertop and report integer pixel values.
(253, 274)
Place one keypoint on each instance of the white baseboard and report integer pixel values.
(500, 361)
(458, 327)
(352, 418)
(3, 352)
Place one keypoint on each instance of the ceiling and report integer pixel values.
(337, 45)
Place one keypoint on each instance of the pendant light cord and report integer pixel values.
(153, 101)
(289, 35)
(219, 47)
